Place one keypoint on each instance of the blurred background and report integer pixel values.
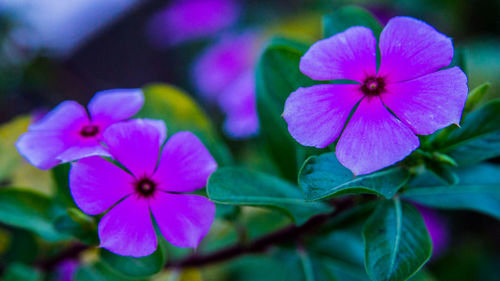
(53, 50)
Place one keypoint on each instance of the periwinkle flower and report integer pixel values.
(150, 185)
(224, 74)
(185, 20)
(409, 94)
(69, 133)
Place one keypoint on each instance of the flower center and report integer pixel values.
(373, 86)
(145, 187)
(89, 131)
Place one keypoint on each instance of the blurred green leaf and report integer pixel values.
(20, 272)
(397, 243)
(60, 174)
(349, 16)
(244, 187)
(181, 113)
(478, 189)
(30, 210)
(278, 75)
(323, 176)
(475, 96)
(77, 224)
(100, 272)
(136, 267)
(477, 139)
(20, 246)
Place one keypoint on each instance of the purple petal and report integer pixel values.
(430, 102)
(224, 62)
(191, 19)
(160, 127)
(185, 164)
(238, 102)
(374, 139)
(110, 106)
(436, 225)
(317, 114)
(66, 270)
(81, 150)
(135, 144)
(127, 229)
(96, 184)
(41, 148)
(67, 116)
(347, 55)
(410, 48)
(183, 219)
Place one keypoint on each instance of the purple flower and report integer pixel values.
(224, 74)
(67, 133)
(151, 184)
(421, 97)
(66, 270)
(185, 20)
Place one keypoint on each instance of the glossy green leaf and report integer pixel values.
(20, 272)
(278, 75)
(136, 267)
(477, 139)
(181, 113)
(244, 187)
(349, 16)
(323, 176)
(74, 222)
(478, 189)
(397, 243)
(30, 210)
(475, 96)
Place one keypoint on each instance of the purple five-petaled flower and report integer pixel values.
(67, 133)
(224, 74)
(149, 184)
(407, 95)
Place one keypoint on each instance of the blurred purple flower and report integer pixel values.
(66, 270)
(67, 133)
(151, 186)
(224, 74)
(437, 230)
(185, 20)
(409, 82)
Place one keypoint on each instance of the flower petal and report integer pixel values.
(41, 148)
(317, 114)
(97, 184)
(374, 139)
(160, 127)
(110, 106)
(430, 102)
(238, 102)
(411, 48)
(347, 55)
(135, 144)
(185, 164)
(183, 219)
(67, 116)
(82, 150)
(127, 229)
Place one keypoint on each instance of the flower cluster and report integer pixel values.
(406, 95)
(151, 177)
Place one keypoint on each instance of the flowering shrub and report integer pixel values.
(340, 155)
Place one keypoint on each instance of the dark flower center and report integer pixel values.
(89, 131)
(373, 86)
(145, 187)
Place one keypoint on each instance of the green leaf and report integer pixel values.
(278, 75)
(475, 96)
(323, 176)
(181, 113)
(397, 243)
(243, 187)
(29, 210)
(74, 222)
(478, 189)
(136, 267)
(478, 138)
(349, 16)
(18, 272)
(100, 272)
(60, 174)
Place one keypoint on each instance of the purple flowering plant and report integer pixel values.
(345, 146)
